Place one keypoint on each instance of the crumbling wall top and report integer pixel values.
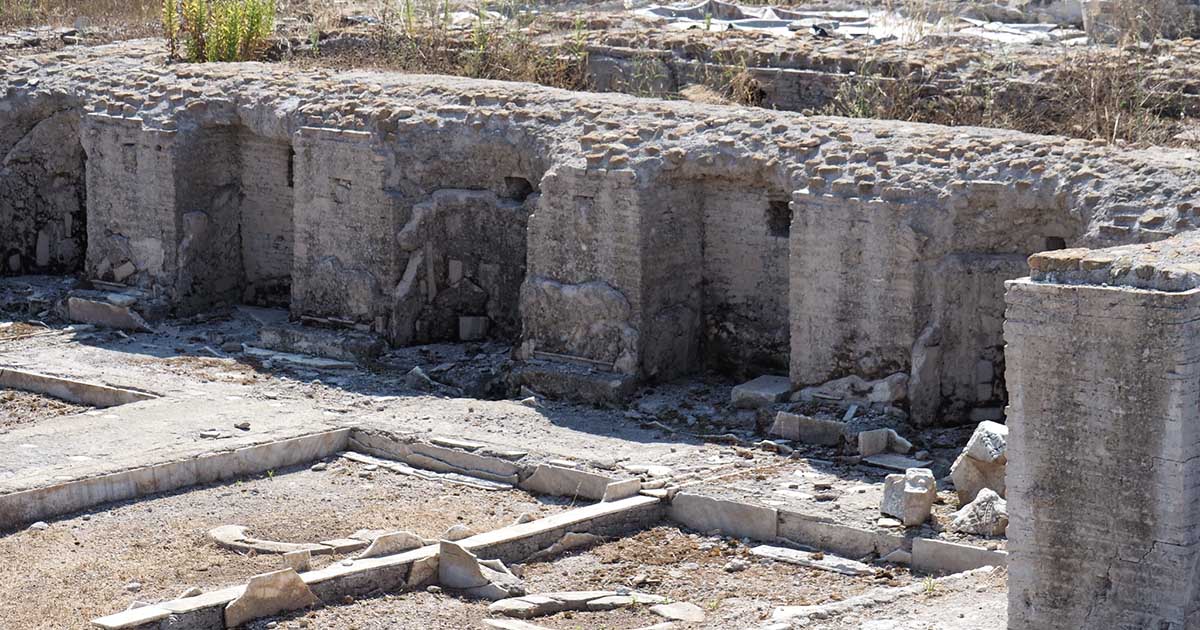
(1123, 194)
(1170, 265)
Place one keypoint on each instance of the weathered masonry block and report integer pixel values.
(1104, 420)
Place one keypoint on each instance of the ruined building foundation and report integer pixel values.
(648, 240)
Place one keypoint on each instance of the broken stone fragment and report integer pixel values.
(392, 543)
(760, 392)
(910, 496)
(460, 569)
(888, 390)
(987, 515)
(105, 314)
(822, 561)
(417, 379)
(268, 594)
(982, 463)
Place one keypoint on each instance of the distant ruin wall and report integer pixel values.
(1104, 386)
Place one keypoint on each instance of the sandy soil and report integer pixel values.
(663, 561)
(21, 408)
(79, 567)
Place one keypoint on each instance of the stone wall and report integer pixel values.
(133, 225)
(1104, 386)
(267, 187)
(647, 237)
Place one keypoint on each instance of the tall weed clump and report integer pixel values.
(218, 30)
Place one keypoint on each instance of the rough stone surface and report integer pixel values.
(460, 569)
(982, 462)
(1102, 452)
(910, 496)
(653, 238)
(987, 515)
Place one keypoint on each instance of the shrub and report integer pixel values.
(218, 30)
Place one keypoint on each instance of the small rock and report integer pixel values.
(133, 587)
(679, 611)
(40, 526)
(191, 592)
(433, 588)
(457, 532)
(319, 466)
(735, 565)
(242, 426)
(529, 402)
(525, 517)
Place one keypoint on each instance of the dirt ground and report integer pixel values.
(681, 566)
(975, 604)
(21, 408)
(81, 567)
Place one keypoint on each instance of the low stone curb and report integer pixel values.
(405, 570)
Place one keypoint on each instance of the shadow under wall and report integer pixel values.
(234, 194)
(43, 200)
(716, 278)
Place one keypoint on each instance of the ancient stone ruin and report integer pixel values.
(819, 344)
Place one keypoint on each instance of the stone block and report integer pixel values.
(939, 556)
(472, 328)
(269, 594)
(802, 428)
(104, 314)
(762, 391)
(910, 496)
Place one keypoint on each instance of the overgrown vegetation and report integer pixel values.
(218, 30)
(1093, 94)
(431, 36)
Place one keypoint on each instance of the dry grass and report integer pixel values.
(133, 18)
(1092, 95)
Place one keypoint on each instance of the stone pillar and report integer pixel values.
(1103, 470)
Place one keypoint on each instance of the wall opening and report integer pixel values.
(717, 278)
(1055, 242)
(517, 188)
(779, 217)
